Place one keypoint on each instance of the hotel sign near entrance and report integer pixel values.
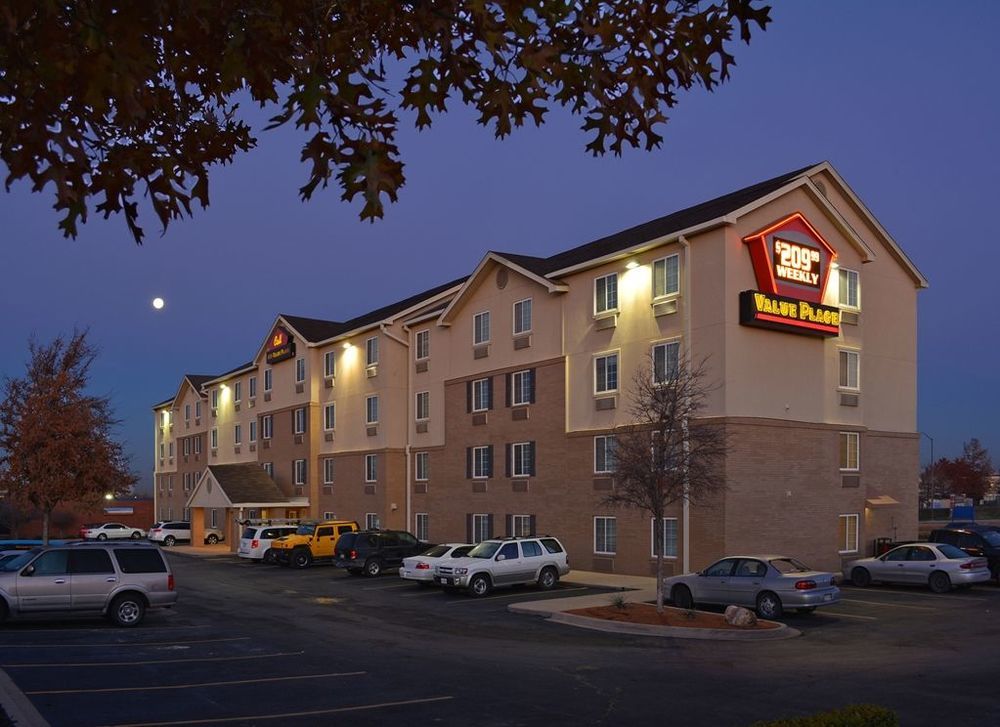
(280, 346)
(792, 263)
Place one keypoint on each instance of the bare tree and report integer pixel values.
(56, 443)
(666, 454)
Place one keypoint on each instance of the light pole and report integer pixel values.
(931, 473)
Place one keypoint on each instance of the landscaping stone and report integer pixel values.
(739, 616)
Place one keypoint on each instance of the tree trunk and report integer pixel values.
(46, 514)
(658, 541)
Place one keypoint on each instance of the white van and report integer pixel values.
(255, 543)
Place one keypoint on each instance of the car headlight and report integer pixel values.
(461, 571)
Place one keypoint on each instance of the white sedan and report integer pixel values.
(938, 566)
(110, 531)
(420, 568)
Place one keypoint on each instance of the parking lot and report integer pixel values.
(253, 644)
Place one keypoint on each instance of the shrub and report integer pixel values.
(619, 602)
(854, 715)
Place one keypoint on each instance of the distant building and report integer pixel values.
(486, 406)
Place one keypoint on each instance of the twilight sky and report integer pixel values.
(897, 95)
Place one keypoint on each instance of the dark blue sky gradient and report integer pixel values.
(900, 96)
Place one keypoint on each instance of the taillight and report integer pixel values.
(353, 555)
(255, 543)
(170, 582)
(423, 566)
(969, 565)
(804, 585)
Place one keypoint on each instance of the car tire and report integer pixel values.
(169, 541)
(373, 567)
(102, 536)
(682, 598)
(480, 585)
(548, 578)
(861, 577)
(127, 610)
(301, 558)
(769, 606)
(269, 557)
(212, 539)
(939, 582)
(136, 535)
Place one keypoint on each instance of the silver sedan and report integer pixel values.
(939, 566)
(766, 583)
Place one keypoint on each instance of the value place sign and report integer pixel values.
(280, 346)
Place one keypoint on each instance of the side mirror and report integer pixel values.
(501, 557)
(30, 570)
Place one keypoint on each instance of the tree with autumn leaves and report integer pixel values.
(102, 103)
(56, 443)
(968, 475)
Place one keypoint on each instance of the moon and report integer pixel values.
(158, 303)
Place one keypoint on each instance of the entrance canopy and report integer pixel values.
(239, 486)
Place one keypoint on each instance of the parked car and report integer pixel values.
(311, 542)
(120, 580)
(372, 551)
(110, 531)
(939, 566)
(255, 543)
(978, 540)
(505, 562)
(177, 531)
(769, 584)
(420, 568)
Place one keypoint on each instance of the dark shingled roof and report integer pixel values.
(197, 381)
(246, 482)
(314, 329)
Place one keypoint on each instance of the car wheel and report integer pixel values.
(547, 579)
(355, 571)
(169, 541)
(269, 556)
(301, 558)
(373, 567)
(102, 536)
(939, 582)
(861, 577)
(127, 609)
(769, 605)
(682, 598)
(212, 539)
(480, 585)
(136, 535)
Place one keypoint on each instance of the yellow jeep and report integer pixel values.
(312, 541)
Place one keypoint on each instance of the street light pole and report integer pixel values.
(931, 474)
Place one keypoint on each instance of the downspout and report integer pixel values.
(686, 298)
(409, 397)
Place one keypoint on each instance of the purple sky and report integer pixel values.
(897, 95)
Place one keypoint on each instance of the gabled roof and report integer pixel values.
(195, 381)
(312, 330)
(246, 483)
(249, 366)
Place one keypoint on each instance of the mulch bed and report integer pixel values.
(645, 613)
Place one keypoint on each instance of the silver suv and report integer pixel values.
(118, 580)
(506, 562)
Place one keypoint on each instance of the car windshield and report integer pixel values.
(486, 549)
(992, 537)
(789, 565)
(305, 529)
(250, 533)
(437, 551)
(20, 560)
(951, 552)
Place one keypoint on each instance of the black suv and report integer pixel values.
(372, 551)
(979, 540)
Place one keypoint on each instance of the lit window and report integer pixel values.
(606, 294)
(300, 370)
(328, 471)
(605, 535)
(666, 276)
(669, 537)
(371, 467)
(330, 417)
(606, 373)
(299, 421)
(481, 328)
(423, 347)
(423, 405)
(847, 533)
(665, 362)
(849, 370)
(421, 526)
(422, 465)
(850, 289)
(371, 351)
(522, 387)
(481, 390)
(522, 459)
(604, 454)
(850, 451)
(330, 364)
(522, 316)
(371, 409)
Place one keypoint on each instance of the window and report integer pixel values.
(215, 517)
(605, 535)
(604, 454)
(299, 471)
(522, 316)
(481, 394)
(267, 379)
(300, 370)
(265, 427)
(850, 289)
(522, 459)
(371, 351)
(520, 527)
(187, 412)
(252, 386)
(423, 347)
(215, 438)
(299, 421)
(522, 387)
(481, 328)
(371, 467)
(215, 399)
(423, 405)
(421, 465)
(330, 417)
(481, 528)
(238, 392)
(606, 373)
(237, 434)
(330, 364)
(665, 362)
(187, 447)
(197, 410)
(421, 526)
(140, 560)
(371, 521)
(482, 465)
(197, 445)
(162, 449)
(371, 409)
(669, 537)
(606, 294)
(269, 468)
(328, 471)
(253, 431)
(850, 451)
(170, 450)
(849, 370)
(847, 533)
(666, 276)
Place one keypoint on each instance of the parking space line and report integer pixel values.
(197, 684)
(286, 715)
(890, 605)
(124, 643)
(386, 588)
(513, 595)
(150, 661)
(848, 615)
(98, 629)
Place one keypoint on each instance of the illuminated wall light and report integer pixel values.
(631, 265)
(347, 345)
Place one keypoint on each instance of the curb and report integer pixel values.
(17, 706)
(674, 632)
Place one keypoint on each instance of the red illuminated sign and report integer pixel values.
(280, 346)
